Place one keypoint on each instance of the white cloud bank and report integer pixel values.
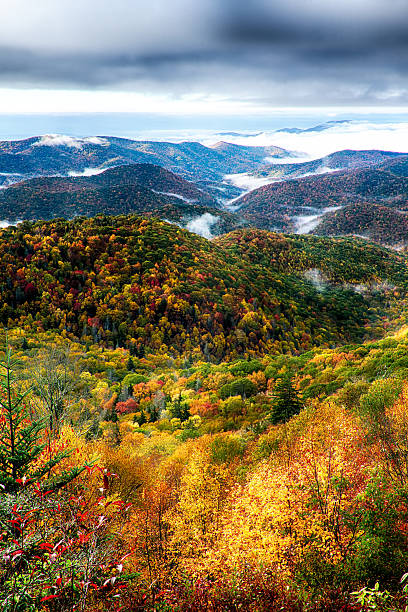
(4, 223)
(203, 225)
(246, 181)
(357, 135)
(87, 172)
(60, 140)
(317, 278)
(174, 195)
(306, 223)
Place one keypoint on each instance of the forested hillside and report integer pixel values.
(265, 483)
(201, 425)
(147, 285)
(340, 160)
(378, 223)
(275, 204)
(134, 188)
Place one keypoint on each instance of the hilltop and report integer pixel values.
(377, 223)
(340, 160)
(55, 154)
(145, 284)
(135, 188)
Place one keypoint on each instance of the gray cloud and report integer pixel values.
(267, 51)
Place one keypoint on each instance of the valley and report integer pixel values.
(213, 189)
(203, 306)
(204, 384)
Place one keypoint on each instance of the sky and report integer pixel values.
(224, 58)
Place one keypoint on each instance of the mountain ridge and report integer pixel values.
(142, 282)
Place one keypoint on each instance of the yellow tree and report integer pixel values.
(294, 506)
(196, 518)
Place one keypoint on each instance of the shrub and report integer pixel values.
(242, 386)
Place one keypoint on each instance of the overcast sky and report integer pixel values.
(196, 56)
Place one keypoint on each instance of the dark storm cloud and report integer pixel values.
(266, 51)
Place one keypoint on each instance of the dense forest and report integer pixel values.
(138, 188)
(274, 205)
(146, 285)
(201, 425)
(378, 223)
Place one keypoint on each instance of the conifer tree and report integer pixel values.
(180, 410)
(21, 442)
(286, 402)
(142, 419)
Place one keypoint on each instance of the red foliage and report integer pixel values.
(30, 290)
(128, 406)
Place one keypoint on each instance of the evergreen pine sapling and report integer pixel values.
(180, 410)
(286, 402)
(22, 438)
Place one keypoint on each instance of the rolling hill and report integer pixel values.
(135, 188)
(282, 204)
(150, 286)
(377, 223)
(341, 160)
(60, 155)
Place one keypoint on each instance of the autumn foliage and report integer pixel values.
(171, 435)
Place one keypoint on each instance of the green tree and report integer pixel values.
(242, 386)
(233, 407)
(21, 437)
(180, 409)
(286, 402)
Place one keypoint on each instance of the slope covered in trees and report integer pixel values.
(197, 425)
(340, 160)
(147, 285)
(378, 223)
(340, 260)
(133, 188)
(187, 496)
(275, 204)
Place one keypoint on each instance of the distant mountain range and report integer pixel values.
(347, 192)
(341, 160)
(316, 128)
(61, 155)
(280, 204)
